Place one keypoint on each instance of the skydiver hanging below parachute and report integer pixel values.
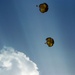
(43, 7)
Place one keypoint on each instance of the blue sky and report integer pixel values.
(25, 28)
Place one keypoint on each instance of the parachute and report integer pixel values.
(49, 41)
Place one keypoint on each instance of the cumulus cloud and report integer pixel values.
(13, 62)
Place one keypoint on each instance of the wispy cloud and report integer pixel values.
(13, 62)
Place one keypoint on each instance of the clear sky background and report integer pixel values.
(25, 28)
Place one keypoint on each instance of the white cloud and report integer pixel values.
(13, 62)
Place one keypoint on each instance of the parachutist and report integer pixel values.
(49, 41)
(43, 7)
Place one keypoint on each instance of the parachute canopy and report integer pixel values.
(49, 41)
(43, 7)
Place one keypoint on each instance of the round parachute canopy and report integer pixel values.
(43, 7)
(49, 41)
